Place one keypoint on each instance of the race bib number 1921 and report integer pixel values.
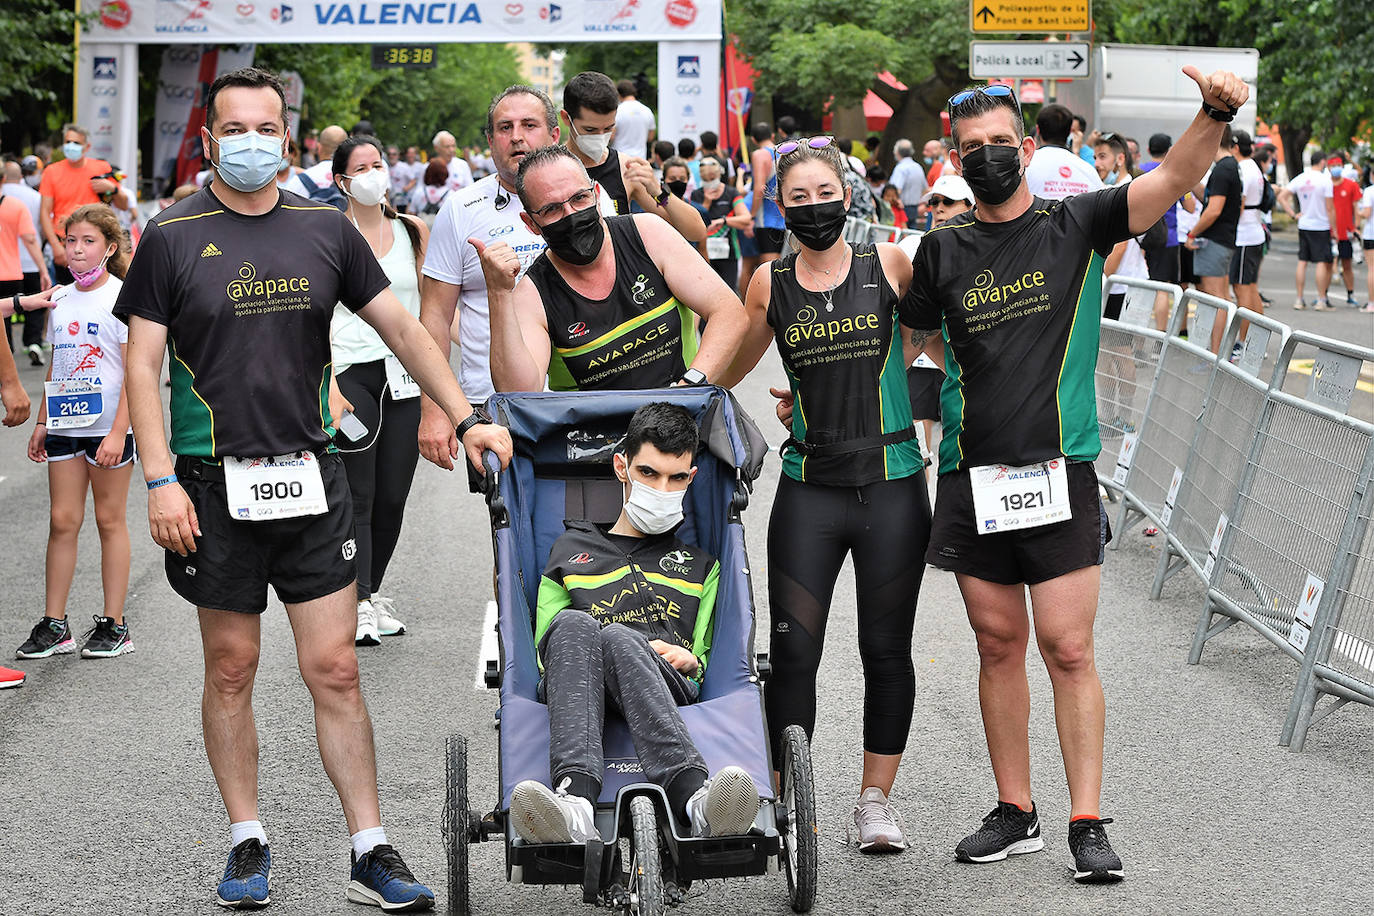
(1010, 498)
(266, 489)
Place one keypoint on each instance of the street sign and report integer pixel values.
(1029, 59)
(1030, 15)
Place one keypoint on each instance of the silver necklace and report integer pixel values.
(828, 294)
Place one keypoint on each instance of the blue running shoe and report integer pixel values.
(245, 877)
(381, 879)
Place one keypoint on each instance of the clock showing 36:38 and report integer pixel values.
(408, 57)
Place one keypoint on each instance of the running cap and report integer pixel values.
(28, 165)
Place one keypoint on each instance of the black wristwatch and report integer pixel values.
(477, 416)
(1224, 115)
(18, 309)
(693, 377)
(663, 195)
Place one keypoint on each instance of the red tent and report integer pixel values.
(876, 112)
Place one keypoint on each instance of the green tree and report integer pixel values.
(35, 69)
(404, 106)
(617, 59)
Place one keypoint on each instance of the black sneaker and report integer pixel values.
(1006, 831)
(50, 637)
(106, 639)
(1093, 859)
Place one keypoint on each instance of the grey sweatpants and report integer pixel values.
(584, 665)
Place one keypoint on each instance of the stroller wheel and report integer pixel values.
(646, 863)
(456, 824)
(799, 840)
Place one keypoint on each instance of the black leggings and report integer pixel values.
(380, 468)
(886, 525)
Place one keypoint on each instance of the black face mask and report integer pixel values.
(576, 238)
(816, 226)
(679, 188)
(993, 172)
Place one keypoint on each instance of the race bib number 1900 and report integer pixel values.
(266, 489)
(1009, 498)
(73, 404)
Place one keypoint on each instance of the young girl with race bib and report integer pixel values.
(84, 437)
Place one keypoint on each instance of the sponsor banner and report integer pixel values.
(295, 97)
(183, 80)
(689, 89)
(280, 21)
(107, 102)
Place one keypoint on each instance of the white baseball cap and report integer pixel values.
(950, 187)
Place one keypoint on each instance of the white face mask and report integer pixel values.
(593, 146)
(653, 511)
(710, 184)
(369, 188)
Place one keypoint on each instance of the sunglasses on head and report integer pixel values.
(791, 146)
(1002, 93)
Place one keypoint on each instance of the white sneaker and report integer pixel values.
(876, 822)
(725, 805)
(541, 815)
(387, 624)
(35, 355)
(367, 634)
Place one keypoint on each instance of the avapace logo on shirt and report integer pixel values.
(807, 328)
(640, 291)
(986, 290)
(676, 561)
(252, 295)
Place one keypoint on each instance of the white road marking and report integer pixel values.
(490, 648)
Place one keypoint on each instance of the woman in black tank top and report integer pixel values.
(853, 477)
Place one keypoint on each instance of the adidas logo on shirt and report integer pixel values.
(210, 251)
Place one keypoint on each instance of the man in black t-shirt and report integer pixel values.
(1213, 239)
(238, 283)
(1014, 288)
(611, 303)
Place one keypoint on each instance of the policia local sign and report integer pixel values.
(381, 21)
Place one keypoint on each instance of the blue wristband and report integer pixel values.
(162, 481)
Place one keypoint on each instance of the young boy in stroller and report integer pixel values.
(625, 614)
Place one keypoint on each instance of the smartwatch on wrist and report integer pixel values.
(1225, 115)
(18, 309)
(663, 195)
(477, 416)
(693, 377)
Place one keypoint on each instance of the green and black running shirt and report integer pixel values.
(851, 417)
(657, 585)
(637, 337)
(247, 302)
(1020, 304)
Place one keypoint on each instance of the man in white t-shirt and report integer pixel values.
(446, 148)
(634, 122)
(1365, 212)
(1250, 234)
(1055, 173)
(519, 121)
(321, 174)
(1315, 194)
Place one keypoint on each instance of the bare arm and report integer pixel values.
(1156, 191)
(1331, 216)
(758, 335)
(644, 188)
(438, 305)
(739, 217)
(172, 519)
(12, 394)
(761, 162)
(416, 349)
(1209, 215)
(696, 285)
(520, 346)
(30, 242)
(45, 225)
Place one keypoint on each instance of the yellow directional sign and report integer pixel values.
(1030, 15)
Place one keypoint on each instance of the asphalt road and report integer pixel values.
(110, 807)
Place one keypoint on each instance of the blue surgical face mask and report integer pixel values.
(249, 161)
(1111, 178)
(73, 151)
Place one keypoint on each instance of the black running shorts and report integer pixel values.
(1028, 555)
(1314, 246)
(302, 558)
(1163, 263)
(1245, 264)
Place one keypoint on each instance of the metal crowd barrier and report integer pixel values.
(1165, 432)
(1265, 494)
(1128, 360)
(1221, 440)
(861, 230)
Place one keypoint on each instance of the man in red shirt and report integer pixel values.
(1345, 194)
(70, 183)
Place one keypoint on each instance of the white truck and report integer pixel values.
(1140, 90)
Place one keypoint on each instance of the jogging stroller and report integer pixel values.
(562, 470)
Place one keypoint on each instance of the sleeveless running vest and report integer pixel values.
(851, 417)
(607, 174)
(637, 337)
